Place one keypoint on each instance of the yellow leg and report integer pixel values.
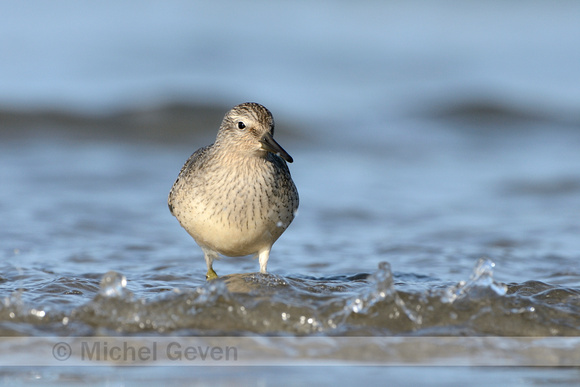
(210, 255)
(211, 274)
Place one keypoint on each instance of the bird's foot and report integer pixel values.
(211, 275)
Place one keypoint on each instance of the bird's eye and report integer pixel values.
(241, 125)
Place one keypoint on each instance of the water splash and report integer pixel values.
(364, 304)
(116, 308)
(206, 296)
(480, 284)
(113, 284)
(377, 303)
(381, 289)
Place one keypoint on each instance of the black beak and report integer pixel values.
(270, 145)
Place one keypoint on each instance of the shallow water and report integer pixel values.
(441, 235)
(404, 260)
(385, 244)
(438, 171)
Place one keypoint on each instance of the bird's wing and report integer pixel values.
(198, 154)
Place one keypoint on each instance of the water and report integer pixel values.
(437, 165)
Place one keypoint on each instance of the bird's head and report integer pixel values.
(249, 127)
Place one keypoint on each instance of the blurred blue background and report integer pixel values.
(361, 61)
(436, 131)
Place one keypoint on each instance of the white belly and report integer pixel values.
(241, 221)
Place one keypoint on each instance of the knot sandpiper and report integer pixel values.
(236, 197)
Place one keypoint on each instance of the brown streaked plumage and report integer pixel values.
(236, 197)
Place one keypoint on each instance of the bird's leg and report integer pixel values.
(211, 274)
(263, 257)
(210, 255)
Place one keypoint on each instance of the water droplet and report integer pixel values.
(480, 284)
(113, 284)
(357, 305)
(381, 288)
(37, 313)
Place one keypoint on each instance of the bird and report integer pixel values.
(236, 196)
